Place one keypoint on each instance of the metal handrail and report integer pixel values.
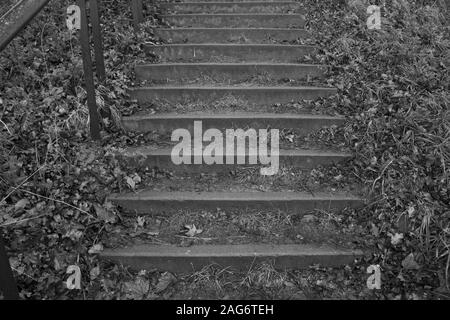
(17, 18)
(11, 23)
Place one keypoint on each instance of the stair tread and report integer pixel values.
(235, 115)
(229, 2)
(227, 28)
(232, 14)
(231, 64)
(166, 151)
(260, 45)
(222, 88)
(229, 250)
(225, 34)
(234, 196)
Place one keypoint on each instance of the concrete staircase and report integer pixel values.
(210, 51)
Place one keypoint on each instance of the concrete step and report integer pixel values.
(160, 157)
(237, 35)
(209, 52)
(234, 20)
(233, 7)
(227, 72)
(254, 96)
(238, 257)
(148, 202)
(302, 123)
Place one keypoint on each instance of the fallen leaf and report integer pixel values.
(409, 263)
(165, 280)
(136, 178)
(375, 231)
(136, 289)
(105, 215)
(96, 248)
(94, 273)
(21, 204)
(131, 183)
(396, 238)
(141, 221)
(192, 230)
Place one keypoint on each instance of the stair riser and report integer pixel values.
(220, 53)
(164, 125)
(236, 21)
(251, 97)
(231, 35)
(299, 207)
(164, 161)
(249, 7)
(185, 264)
(226, 73)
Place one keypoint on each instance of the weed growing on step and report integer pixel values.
(231, 103)
(239, 226)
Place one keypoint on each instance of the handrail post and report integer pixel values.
(137, 10)
(8, 287)
(97, 37)
(94, 122)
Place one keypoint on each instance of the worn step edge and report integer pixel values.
(218, 35)
(303, 123)
(258, 96)
(258, 46)
(237, 7)
(221, 52)
(225, 3)
(237, 15)
(147, 201)
(239, 19)
(240, 257)
(235, 71)
(150, 157)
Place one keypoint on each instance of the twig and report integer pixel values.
(14, 190)
(6, 127)
(19, 221)
(198, 238)
(59, 201)
(382, 173)
(21, 272)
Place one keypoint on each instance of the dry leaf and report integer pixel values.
(105, 215)
(21, 204)
(192, 230)
(96, 248)
(165, 280)
(396, 238)
(409, 263)
(131, 183)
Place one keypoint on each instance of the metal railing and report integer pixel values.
(15, 20)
